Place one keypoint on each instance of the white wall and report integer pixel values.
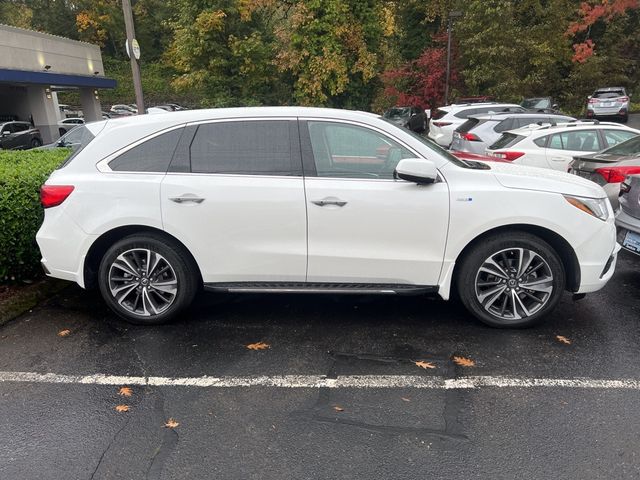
(27, 50)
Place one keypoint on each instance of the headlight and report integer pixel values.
(598, 207)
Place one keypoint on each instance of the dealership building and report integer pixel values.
(35, 66)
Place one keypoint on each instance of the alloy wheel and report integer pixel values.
(514, 283)
(143, 282)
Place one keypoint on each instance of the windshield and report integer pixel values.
(630, 147)
(427, 142)
(397, 112)
(609, 94)
(75, 140)
(533, 103)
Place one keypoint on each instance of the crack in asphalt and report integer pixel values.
(109, 447)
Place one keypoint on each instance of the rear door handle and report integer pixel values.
(322, 203)
(187, 199)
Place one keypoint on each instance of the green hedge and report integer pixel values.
(21, 174)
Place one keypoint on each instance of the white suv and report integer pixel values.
(554, 146)
(446, 119)
(288, 199)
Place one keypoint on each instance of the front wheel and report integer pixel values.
(512, 280)
(147, 279)
(36, 142)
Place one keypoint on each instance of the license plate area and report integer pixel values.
(632, 241)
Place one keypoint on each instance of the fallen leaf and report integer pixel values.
(64, 333)
(122, 408)
(425, 365)
(171, 423)
(405, 399)
(125, 391)
(337, 408)
(562, 339)
(463, 361)
(258, 346)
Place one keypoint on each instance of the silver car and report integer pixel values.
(609, 167)
(609, 102)
(479, 131)
(628, 217)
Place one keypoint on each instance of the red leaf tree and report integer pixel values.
(590, 13)
(421, 82)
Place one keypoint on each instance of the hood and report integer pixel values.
(545, 180)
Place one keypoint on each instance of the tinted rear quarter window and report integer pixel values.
(507, 140)
(153, 155)
(261, 147)
(468, 125)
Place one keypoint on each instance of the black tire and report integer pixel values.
(624, 119)
(36, 142)
(476, 285)
(181, 272)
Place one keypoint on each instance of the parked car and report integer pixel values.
(540, 105)
(413, 118)
(609, 167)
(446, 119)
(609, 102)
(68, 123)
(480, 131)
(19, 136)
(554, 146)
(297, 200)
(71, 139)
(628, 216)
(122, 110)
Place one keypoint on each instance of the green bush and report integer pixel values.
(21, 174)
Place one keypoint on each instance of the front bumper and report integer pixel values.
(597, 257)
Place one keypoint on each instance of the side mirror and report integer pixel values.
(6, 133)
(555, 106)
(417, 170)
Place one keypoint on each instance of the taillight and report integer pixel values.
(508, 156)
(441, 124)
(616, 174)
(471, 137)
(623, 99)
(593, 100)
(54, 195)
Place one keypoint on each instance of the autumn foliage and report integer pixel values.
(590, 13)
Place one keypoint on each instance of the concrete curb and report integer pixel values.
(28, 297)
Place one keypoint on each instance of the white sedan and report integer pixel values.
(554, 146)
(289, 199)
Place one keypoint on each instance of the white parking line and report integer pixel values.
(321, 381)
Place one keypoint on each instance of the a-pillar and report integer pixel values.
(43, 112)
(90, 105)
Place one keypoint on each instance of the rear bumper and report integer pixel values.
(63, 246)
(442, 138)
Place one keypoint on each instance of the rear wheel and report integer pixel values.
(512, 280)
(36, 142)
(147, 279)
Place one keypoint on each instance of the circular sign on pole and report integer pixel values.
(136, 48)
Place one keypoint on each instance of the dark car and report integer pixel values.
(609, 167)
(628, 217)
(540, 105)
(19, 136)
(412, 118)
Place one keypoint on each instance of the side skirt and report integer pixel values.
(317, 287)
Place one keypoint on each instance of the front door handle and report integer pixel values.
(186, 199)
(322, 203)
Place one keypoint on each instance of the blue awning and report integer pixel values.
(58, 79)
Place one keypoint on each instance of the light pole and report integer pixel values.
(452, 15)
(133, 50)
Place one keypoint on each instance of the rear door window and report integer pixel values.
(507, 140)
(260, 147)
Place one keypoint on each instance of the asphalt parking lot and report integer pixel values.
(336, 395)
